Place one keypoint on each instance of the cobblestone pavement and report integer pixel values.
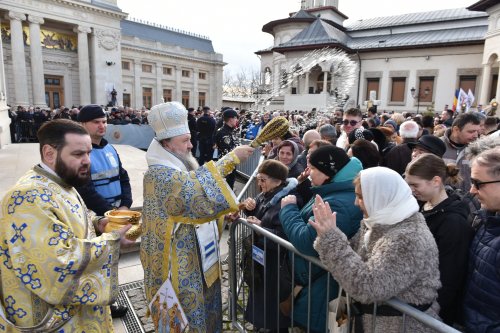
(138, 301)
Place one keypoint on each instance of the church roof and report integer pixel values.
(166, 35)
(483, 5)
(104, 5)
(413, 18)
(420, 38)
(463, 26)
(303, 14)
(319, 32)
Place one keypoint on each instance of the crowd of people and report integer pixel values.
(25, 121)
(394, 205)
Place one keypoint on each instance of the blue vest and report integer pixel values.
(105, 171)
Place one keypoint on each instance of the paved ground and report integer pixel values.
(16, 159)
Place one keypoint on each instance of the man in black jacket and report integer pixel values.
(206, 130)
(226, 139)
(193, 129)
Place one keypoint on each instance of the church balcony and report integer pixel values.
(306, 102)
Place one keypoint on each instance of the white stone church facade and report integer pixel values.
(432, 53)
(74, 52)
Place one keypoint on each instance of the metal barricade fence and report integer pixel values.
(240, 306)
(26, 131)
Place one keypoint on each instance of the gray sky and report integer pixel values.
(235, 26)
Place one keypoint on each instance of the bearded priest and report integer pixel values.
(184, 206)
(56, 274)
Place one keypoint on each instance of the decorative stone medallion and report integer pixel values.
(108, 39)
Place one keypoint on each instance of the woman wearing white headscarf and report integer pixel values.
(393, 255)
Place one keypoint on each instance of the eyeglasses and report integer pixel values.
(350, 122)
(477, 183)
(262, 179)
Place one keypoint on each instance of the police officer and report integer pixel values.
(226, 138)
(206, 129)
(110, 184)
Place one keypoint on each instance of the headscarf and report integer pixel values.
(387, 197)
(295, 150)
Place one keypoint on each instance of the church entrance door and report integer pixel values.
(54, 91)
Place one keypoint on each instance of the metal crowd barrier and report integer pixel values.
(26, 131)
(239, 290)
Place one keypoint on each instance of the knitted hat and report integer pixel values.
(90, 112)
(430, 143)
(329, 159)
(274, 169)
(169, 120)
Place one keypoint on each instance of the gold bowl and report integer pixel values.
(117, 219)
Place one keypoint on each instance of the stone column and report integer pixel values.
(3, 86)
(497, 96)
(307, 83)
(325, 82)
(196, 93)
(159, 87)
(5, 134)
(485, 85)
(332, 83)
(18, 58)
(137, 103)
(37, 77)
(83, 63)
(178, 88)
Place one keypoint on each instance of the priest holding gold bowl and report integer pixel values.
(117, 219)
(184, 206)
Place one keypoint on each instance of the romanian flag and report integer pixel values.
(455, 99)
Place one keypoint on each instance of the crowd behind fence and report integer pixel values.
(242, 230)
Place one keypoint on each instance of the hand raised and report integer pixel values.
(303, 176)
(324, 219)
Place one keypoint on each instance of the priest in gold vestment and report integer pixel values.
(55, 274)
(181, 201)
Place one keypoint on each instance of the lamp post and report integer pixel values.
(417, 95)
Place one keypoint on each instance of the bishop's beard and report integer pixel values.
(188, 160)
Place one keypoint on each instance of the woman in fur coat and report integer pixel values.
(393, 255)
(262, 304)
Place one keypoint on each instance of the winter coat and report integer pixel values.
(261, 308)
(482, 295)
(252, 131)
(453, 234)
(456, 154)
(399, 260)
(340, 195)
(398, 157)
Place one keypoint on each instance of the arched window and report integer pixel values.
(267, 75)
